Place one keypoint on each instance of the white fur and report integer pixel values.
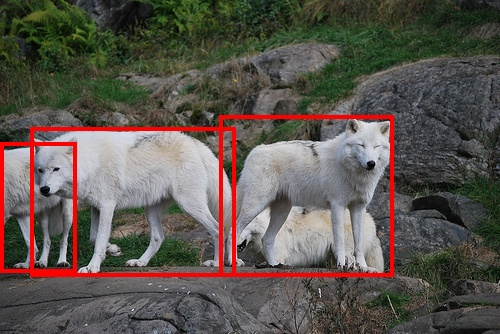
(334, 174)
(119, 170)
(55, 214)
(306, 238)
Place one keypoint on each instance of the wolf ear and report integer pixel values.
(69, 150)
(384, 128)
(37, 148)
(352, 126)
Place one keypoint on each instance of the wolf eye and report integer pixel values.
(40, 170)
(362, 145)
(56, 169)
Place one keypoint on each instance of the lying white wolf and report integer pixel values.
(335, 174)
(118, 170)
(55, 214)
(306, 238)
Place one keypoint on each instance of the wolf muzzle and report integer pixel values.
(242, 246)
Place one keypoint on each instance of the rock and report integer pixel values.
(116, 15)
(132, 305)
(447, 116)
(18, 128)
(285, 65)
(423, 231)
(462, 287)
(269, 102)
(457, 209)
(478, 4)
(179, 305)
(478, 313)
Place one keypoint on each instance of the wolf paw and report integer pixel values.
(87, 270)
(40, 264)
(368, 270)
(113, 250)
(264, 265)
(135, 263)
(210, 263)
(22, 265)
(64, 265)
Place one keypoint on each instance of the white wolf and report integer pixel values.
(306, 238)
(136, 169)
(335, 174)
(55, 214)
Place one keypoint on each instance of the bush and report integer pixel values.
(60, 31)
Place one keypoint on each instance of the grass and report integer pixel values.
(396, 303)
(173, 252)
(487, 193)
(33, 88)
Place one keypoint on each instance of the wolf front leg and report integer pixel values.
(338, 234)
(67, 217)
(358, 211)
(44, 224)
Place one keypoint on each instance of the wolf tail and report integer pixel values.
(212, 166)
(374, 256)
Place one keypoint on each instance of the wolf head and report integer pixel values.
(54, 170)
(367, 145)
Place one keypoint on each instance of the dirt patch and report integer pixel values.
(127, 223)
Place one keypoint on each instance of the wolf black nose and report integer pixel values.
(45, 190)
(370, 165)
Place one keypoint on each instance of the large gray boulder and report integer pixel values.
(15, 128)
(447, 117)
(177, 305)
(478, 313)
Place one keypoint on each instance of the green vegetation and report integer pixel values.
(173, 252)
(72, 54)
(396, 303)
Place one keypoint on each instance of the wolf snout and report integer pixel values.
(45, 190)
(242, 246)
(370, 165)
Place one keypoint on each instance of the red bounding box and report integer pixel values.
(232, 120)
(30, 154)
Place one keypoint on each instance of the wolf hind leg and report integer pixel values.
(154, 216)
(250, 206)
(279, 212)
(195, 204)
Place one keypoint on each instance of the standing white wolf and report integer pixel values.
(306, 238)
(117, 170)
(335, 174)
(55, 215)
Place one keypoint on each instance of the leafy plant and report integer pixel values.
(60, 31)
